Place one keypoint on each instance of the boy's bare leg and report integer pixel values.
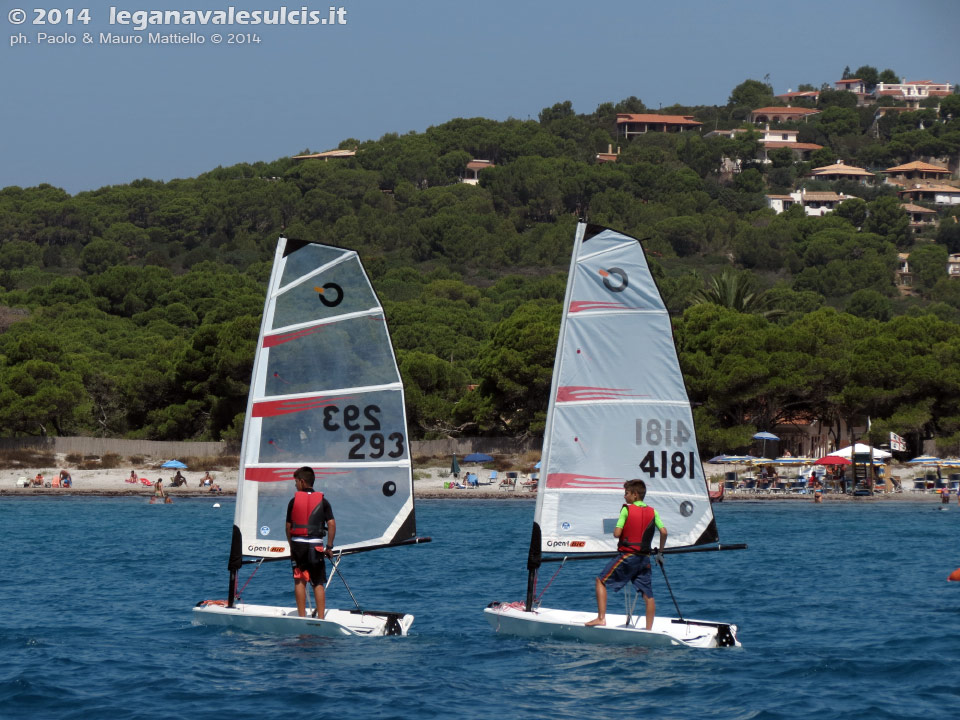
(300, 593)
(601, 618)
(651, 611)
(320, 597)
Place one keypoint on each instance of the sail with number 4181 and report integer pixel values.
(325, 393)
(618, 411)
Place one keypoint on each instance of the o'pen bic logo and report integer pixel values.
(330, 294)
(614, 279)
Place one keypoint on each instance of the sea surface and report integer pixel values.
(844, 612)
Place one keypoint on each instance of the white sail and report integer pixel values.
(618, 407)
(325, 392)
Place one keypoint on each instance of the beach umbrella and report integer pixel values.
(718, 459)
(832, 460)
(174, 464)
(478, 458)
(454, 466)
(925, 460)
(764, 436)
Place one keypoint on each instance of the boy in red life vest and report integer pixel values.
(634, 529)
(309, 518)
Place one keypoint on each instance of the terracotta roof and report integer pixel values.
(654, 118)
(786, 110)
(840, 169)
(848, 81)
(929, 187)
(781, 197)
(822, 197)
(910, 207)
(917, 165)
(479, 164)
(791, 145)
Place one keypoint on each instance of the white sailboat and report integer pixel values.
(325, 392)
(618, 410)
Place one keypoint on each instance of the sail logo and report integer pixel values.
(265, 548)
(584, 393)
(265, 530)
(614, 279)
(330, 294)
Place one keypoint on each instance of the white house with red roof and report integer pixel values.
(912, 92)
(815, 203)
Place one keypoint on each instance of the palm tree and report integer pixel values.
(737, 291)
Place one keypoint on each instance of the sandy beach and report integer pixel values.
(429, 482)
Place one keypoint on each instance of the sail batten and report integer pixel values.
(325, 393)
(618, 408)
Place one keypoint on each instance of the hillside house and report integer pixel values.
(609, 155)
(856, 86)
(471, 174)
(916, 170)
(912, 92)
(934, 193)
(902, 277)
(815, 203)
(920, 217)
(840, 171)
(631, 124)
(781, 114)
(953, 265)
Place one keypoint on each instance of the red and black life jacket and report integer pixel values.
(637, 533)
(306, 518)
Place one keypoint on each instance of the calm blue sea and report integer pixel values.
(844, 612)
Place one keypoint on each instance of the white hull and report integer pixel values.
(569, 625)
(285, 621)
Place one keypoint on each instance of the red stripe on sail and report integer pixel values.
(574, 393)
(573, 480)
(272, 408)
(283, 474)
(281, 338)
(581, 305)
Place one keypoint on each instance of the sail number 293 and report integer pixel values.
(371, 445)
(664, 463)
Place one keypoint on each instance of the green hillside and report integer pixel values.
(133, 310)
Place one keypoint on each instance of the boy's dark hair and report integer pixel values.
(305, 474)
(636, 486)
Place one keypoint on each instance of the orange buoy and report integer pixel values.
(954, 576)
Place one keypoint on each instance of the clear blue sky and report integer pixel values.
(86, 115)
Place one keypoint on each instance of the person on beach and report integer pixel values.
(206, 480)
(817, 492)
(638, 521)
(309, 519)
(133, 477)
(65, 479)
(158, 489)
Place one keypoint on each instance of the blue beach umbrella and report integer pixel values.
(174, 464)
(925, 460)
(764, 436)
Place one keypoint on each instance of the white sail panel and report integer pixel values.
(618, 407)
(325, 392)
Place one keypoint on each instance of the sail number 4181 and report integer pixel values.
(664, 463)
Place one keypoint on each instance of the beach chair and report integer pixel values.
(145, 482)
(751, 486)
(509, 481)
(472, 480)
(492, 479)
(55, 482)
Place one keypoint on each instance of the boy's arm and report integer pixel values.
(331, 533)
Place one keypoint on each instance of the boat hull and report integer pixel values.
(285, 621)
(511, 618)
